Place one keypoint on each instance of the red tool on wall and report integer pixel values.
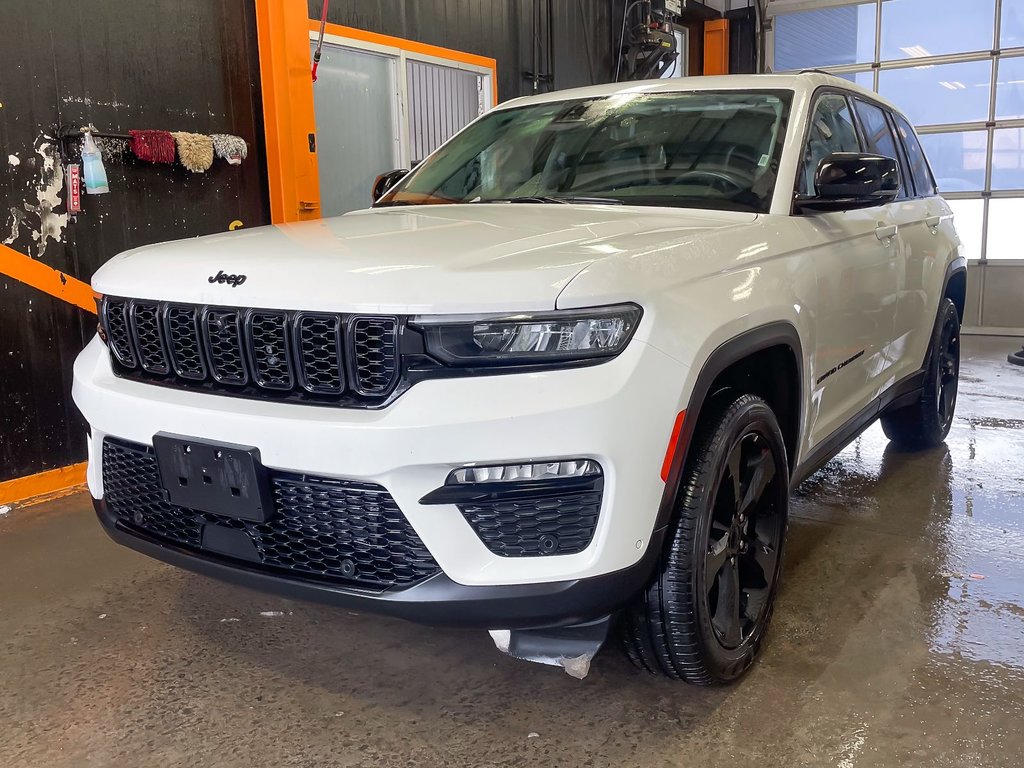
(74, 188)
(320, 40)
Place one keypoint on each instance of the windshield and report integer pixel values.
(698, 149)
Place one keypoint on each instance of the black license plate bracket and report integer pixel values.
(221, 478)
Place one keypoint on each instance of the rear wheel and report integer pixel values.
(705, 614)
(926, 422)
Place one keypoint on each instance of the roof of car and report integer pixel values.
(803, 83)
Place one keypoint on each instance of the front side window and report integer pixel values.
(918, 164)
(699, 149)
(879, 138)
(831, 130)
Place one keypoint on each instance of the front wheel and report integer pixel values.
(705, 614)
(926, 422)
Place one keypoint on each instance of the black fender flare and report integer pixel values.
(955, 267)
(780, 333)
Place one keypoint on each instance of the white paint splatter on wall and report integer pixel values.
(39, 216)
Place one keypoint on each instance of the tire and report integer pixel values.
(926, 422)
(685, 625)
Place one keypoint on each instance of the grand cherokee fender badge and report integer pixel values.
(233, 280)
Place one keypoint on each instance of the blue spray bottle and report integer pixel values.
(92, 167)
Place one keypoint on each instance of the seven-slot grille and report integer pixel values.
(339, 531)
(311, 355)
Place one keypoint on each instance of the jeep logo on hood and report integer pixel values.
(233, 280)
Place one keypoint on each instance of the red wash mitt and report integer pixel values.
(153, 146)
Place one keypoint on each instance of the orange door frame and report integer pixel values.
(282, 32)
(289, 122)
(716, 47)
(411, 46)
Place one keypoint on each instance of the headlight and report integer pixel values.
(549, 337)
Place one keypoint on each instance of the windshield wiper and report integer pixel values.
(552, 199)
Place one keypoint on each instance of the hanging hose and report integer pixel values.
(320, 39)
(622, 36)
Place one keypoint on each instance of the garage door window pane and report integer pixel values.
(1011, 32)
(1010, 89)
(946, 93)
(1008, 159)
(1004, 217)
(913, 29)
(825, 38)
(957, 159)
(967, 217)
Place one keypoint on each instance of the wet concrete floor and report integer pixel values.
(898, 640)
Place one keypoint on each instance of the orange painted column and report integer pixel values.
(282, 30)
(716, 47)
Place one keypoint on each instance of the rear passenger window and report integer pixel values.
(831, 130)
(923, 180)
(878, 137)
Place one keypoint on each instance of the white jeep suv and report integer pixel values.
(564, 372)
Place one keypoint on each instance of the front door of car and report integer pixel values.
(923, 253)
(854, 255)
(916, 212)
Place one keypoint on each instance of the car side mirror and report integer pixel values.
(849, 180)
(386, 181)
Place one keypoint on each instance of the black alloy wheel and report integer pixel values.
(948, 379)
(704, 616)
(926, 422)
(744, 540)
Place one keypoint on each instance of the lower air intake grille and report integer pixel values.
(553, 523)
(342, 532)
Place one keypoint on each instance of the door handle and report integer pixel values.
(886, 233)
(933, 221)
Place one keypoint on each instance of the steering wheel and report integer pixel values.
(723, 181)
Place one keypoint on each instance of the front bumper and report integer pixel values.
(619, 413)
(437, 601)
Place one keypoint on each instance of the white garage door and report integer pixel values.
(957, 68)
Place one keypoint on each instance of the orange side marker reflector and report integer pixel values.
(673, 446)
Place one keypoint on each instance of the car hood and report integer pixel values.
(438, 259)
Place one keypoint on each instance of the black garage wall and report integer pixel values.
(188, 65)
(501, 29)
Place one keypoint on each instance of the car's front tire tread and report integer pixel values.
(662, 631)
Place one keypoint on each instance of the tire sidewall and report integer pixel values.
(723, 663)
(947, 326)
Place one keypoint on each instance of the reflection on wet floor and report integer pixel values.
(960, 506)
(898, 640)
